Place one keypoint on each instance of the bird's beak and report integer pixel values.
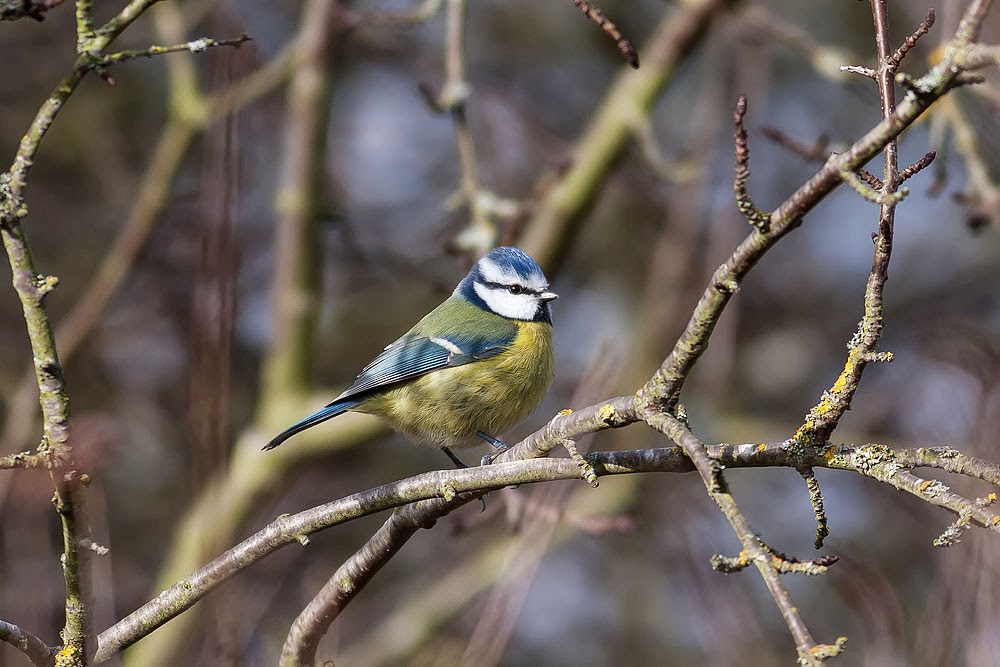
(548, 296)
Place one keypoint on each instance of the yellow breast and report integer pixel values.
(446, 408)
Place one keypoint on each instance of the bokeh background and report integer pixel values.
(166, 385)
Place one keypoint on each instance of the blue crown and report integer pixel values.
(516, 259)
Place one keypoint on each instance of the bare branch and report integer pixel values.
(12, 10)
(38, 652)
(896, 58)
(593, 12)
(711, 475)
(816, 500)
(753, 215)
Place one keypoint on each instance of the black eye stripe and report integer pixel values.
(501, 286)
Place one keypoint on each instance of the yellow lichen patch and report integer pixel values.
(607, 414)
(991, 498)
(926, 485)
(845, 375)
(68, 656)
(761, 447)
(567, 411)
(995, 520)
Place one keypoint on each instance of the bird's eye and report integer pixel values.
(515, 289)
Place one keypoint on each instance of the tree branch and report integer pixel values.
(38, 652)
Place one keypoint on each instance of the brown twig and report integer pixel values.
(12, 10)
(753, 215)
(594, 13)
(809, 651)
(917, 166)
(630, 97)
(826, 414)
(896, 58)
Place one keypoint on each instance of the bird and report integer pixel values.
(470, 370)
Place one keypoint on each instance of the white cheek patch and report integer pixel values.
(502, 302)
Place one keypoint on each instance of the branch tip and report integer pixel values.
(917, 166)
(816, 500)
(758, 219)
(922, 29)
(593, 13)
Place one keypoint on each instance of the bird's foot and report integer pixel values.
(499, 445)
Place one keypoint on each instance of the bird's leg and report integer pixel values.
(499, 445)
(454, 459)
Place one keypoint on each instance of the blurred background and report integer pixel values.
(234, 242)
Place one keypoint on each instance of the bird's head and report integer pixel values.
(506, 281)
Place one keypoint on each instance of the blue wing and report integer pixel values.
(409, 357)
(414, 355)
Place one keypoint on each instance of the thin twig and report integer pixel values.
(194, 46)
(825, 415)
(897, 56)
(594, 13)
(562, 207)
(38, 652)
(816, 500)
(808, 650)
(753, 215)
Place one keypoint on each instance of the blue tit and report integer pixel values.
(470, 370)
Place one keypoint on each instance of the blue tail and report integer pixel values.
(329, 412)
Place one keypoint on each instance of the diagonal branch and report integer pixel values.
(34, 649)
(810, 653)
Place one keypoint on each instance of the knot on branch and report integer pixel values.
(610, 417)
(824, 651)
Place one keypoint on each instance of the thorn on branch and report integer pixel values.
(917, 166)
(758, 219)
(625, 47)
(896, 58)
(863, 71)
(816, 500)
